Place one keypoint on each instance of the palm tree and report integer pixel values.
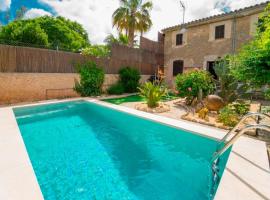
(133, 16)
(122, 39)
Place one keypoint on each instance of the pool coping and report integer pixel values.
(247, 174)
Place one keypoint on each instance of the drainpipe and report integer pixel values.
(233, 50)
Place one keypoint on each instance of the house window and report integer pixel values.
(220, 32)
(179, 39)
(178, 67)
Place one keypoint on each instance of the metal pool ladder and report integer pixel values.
(225, 143)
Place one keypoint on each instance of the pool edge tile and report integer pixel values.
(18, 180)
(246, 176)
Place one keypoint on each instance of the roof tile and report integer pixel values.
(216, 16)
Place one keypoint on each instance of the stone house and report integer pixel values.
(199, 43)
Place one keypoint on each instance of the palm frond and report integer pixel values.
(133, 15)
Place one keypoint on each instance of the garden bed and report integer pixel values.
(212, 118)
(176, 108)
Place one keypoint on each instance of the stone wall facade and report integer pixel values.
(29, 87)
(199, 44)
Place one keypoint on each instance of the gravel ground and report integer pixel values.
(175, 111)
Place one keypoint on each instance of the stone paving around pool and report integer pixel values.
(247, 174)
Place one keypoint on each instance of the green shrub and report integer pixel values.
(117, 88)
(231, 114)
(227, 83)
(251, 63)
(228, 116)
(265, 109)
(189, 84)
(130, 78)
(152, 93)
(241, 108)
(267, 94)
(97, 51)
(91, 79)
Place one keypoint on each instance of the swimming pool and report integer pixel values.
(83, 151)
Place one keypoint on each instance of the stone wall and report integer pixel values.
(199, 45)
(28, 87)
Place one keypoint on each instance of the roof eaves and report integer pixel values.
(216, 16)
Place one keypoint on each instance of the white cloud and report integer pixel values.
(95, 15)
(35, 12)
(243, 3)
(4, 5)
(170, 12)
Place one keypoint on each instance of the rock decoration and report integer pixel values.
(214, 103)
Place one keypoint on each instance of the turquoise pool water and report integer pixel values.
(84, 151)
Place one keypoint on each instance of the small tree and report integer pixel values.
(193, 84)
(227, 84)
(252, 63)
(264, 20)
(130, 78)
(91, 79)
(153, 93)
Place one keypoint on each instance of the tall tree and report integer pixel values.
(32, 33)
(133, 16)
(264, 20)
(252, 63)
(55, 32)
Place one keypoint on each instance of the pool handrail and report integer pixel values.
(236, 136)
(229, 143)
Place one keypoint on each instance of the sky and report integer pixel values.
(96, 15)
